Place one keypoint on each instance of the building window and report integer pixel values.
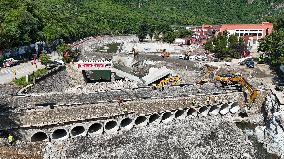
(242, 34)
(237, 34)
(259, 34)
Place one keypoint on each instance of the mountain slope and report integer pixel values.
(26, 21)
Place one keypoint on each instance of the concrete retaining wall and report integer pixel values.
(113, 125)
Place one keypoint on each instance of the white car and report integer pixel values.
(181, 56)
(60, 61)
(10, 62)
(192, 58)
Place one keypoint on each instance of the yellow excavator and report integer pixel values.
(205, 78)
(237, 79)
(171, 80)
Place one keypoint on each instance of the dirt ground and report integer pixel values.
(22, 151)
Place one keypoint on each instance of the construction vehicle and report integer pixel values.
(205, 78)
(165, 54)
(171, 80)
(238, 79)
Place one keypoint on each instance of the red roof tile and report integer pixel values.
(264, 25)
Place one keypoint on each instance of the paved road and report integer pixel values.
(23, 69)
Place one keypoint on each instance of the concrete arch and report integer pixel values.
(224, 109)
(203, 111)
(39, 136)
(59, 134)
(234, 108)
(126, 124)
(141, 120)
(96, 128)
(214, 110)
(78, 130)
(191, 112)
(154, 118)
(167, 117)
(111, 127)
(180, 113)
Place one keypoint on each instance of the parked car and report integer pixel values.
(250, 64)
(60, 62)
(52, 64)
(192, 58)
(243, 62)
(10, 62)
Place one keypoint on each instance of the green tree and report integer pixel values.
(44, 58)
(184, 33)
(142, 31)
(272, 45)
(151, 31)
(226, 46)
(170, 36)
(209, 46)
(63, 48)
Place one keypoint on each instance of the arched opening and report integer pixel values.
(77, 130)
(235, 107)
(191, 112)
(95, 128)
(139, 120)
(110, 125)
(125, 122)
(214, 110)
(243, 114)
(39, 136)
(203, 110)
(179, 113)
(224, 109)
(167, 116)
(153, 118)
(59, 133)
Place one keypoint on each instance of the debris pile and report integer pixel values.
(208, 137)
(57, 82)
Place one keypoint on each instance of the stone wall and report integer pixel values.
(68, 113)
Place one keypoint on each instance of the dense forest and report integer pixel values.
(25, 21)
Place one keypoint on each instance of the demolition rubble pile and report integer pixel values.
(108, 86)
(57, 82)
(207, 137)
(272, 134)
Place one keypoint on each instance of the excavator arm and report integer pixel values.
(253, 93)
(205, 77)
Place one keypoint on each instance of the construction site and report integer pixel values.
(127, 99)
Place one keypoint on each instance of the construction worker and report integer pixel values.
(15, 73)
(10, 139)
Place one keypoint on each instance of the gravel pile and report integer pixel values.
(108, 86)
(57, 82)
(210, 137)
(9, 89)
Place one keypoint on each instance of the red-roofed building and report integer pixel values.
(250, 32)
(204, 32)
